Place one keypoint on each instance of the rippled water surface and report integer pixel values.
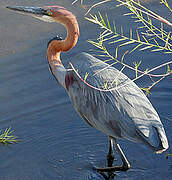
(56, 142)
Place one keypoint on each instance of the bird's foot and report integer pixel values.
(113, 168)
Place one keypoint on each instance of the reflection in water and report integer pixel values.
(108, 176)
(101, 176)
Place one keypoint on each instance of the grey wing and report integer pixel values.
(124, 112)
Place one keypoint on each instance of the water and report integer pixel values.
(56, 142)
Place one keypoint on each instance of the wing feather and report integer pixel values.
(124, 112)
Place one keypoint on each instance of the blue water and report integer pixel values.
(55, 142)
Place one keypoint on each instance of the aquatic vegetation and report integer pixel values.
(8, 137)
(147, 36)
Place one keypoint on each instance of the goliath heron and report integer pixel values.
(124, 112)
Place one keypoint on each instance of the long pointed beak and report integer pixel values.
(41, 13)
(29, 10)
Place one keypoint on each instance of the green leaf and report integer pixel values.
(147, 47)
(106, 85)
(128, 14)
(122, 32)
(114, 26)
(147, 90)
(103, 36)
(136, 47)
(119, 40)
(136, 21)
(127, 43)
(131, 33)
(168, 68)
(156, 42)
(112, 37)
(102, 20)
(137, 64)
(145, 39)
(8, 137)
(116, 53)
(86, 75)
(159, 49)
(141, 27)
(138, 37)
(168, 37)
(108, 22)
(168, 52)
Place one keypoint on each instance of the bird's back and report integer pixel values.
(122, 112)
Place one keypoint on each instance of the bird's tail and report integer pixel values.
(163, 142)
(156, 139)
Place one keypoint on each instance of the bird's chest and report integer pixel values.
(69, 80)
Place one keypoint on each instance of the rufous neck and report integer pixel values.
(72, 34)
(53, 56)
(57, 46)
(72, 27)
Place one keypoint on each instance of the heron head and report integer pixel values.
(46, 13)
(55, 14)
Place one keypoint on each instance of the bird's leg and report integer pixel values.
(126, 164)
(124, 167)
(110, 156)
